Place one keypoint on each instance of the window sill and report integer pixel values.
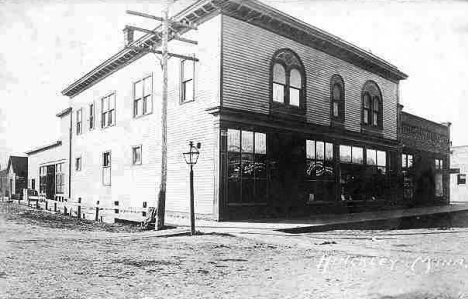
(286, 107)
(320, 202)
(371, 130)
(103, 128)
(142, 115)
(186, 101)
(246, 204)
(337, 123)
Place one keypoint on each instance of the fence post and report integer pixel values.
(55, 206)
(46, 205)
(79, 207)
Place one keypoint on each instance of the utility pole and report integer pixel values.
(161, 207)
(167, 33)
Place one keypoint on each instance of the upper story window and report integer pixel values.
(439, 164)
(406, 161)
(186, 84)
(288, 79)
(78, 164)
(92, 116)
(372, 105)
(142, 96)
(79, 122)
(337, 98)
(108, 111)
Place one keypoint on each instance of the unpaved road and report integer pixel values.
(41, 257)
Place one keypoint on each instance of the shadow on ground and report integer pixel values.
(441, 221)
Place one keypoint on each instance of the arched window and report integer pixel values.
(279, 83)
(288, 79)
(372, 106)
(337, 98)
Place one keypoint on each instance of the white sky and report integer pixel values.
(46, 45)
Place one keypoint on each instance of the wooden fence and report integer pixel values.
(78, 209)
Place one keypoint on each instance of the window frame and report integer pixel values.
(405, 161)
(141, 154)
(79, 121)
(92, 116)
(113, 112)
(143, 97)
(461, 179)
(60, 188)
(287, 87)
(105, 167)
(337, 80)
(439, 164)
(258, 152)
(183, 83)
(78, 164)
(374, 111)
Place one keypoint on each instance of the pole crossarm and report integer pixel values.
(158, 34)
(172, 22)
(186, 40)
(160, 53)
(144, 15)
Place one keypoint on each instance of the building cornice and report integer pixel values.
(64, 112)
(256, 13)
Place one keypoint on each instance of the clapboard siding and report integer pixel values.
(247, 53)
(190, 122)
(134, 184)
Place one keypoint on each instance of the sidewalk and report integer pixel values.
(313, 222)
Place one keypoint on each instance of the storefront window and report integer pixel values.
(408, 180)
(439, 187)
(42, 179)
(351, 154)
(359, 180)
(320, 180)
(319, 156)
(246, 166)
(59, 178)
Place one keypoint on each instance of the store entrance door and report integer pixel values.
(287, 164)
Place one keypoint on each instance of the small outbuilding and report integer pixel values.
(17, 178)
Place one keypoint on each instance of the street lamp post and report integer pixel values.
(191, 158)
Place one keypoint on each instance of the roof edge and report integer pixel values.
(45, 147)
(191, 13)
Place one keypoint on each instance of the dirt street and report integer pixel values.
(51, 256)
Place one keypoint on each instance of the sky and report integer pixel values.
(46, 45)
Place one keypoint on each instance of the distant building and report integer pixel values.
(4, 187)
(17, 176)
(48, 165)
(458, 185)
(425, 160)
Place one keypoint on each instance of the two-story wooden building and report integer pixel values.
(292, 120)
